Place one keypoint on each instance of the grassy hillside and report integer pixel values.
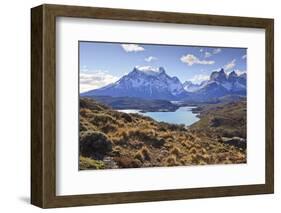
(227, 119)
(111, 139)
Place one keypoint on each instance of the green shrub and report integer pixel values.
(94, 144)
(88, 163)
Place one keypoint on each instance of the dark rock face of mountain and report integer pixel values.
(232, 76)
(157, 84)
(218, 76)
(218, 85)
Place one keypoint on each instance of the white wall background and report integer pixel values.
(15, 104)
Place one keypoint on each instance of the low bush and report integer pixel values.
(94, 144)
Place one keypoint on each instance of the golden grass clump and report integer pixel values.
(143, 154)
(117, 150)
(171, 161)
(101, 119)
(175, 151)
(127, 162)
(85, 112)
(193, 150)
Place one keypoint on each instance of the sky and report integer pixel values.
(102, 63)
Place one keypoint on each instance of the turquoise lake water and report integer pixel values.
(182, 115)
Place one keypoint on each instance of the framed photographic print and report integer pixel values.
(137, 106)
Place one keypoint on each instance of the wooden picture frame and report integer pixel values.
(43, 105)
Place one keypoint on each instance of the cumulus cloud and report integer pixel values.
(244, 56)
(213, 52)
(230, 65)
(192, 59)
(208, 54)
(150, 58)
(132, 47)
(199, 78)
(94, 80)
(240, 72)
(216, 50)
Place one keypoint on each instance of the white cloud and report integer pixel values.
(192, 59)
(147, 68)
(199, 78)
(240, 72)
(213, 52)
(208, 54)
(244, 56)
(201, 50)
(230, 65)
(150, 58)
(132, 47)
(216, 50)
(94, 80)
(84, 68)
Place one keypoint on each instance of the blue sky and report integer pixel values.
(103, 63)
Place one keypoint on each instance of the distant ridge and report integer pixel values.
(153, 83)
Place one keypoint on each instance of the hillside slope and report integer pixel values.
(111, 139)
(226, 120)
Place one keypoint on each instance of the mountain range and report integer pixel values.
(157, 84)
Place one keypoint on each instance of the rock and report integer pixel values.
(235, 141)
(110, 163)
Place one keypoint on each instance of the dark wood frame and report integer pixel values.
(43, 105)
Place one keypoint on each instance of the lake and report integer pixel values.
(182, 115)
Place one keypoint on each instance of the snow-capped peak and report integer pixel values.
(150, 70)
